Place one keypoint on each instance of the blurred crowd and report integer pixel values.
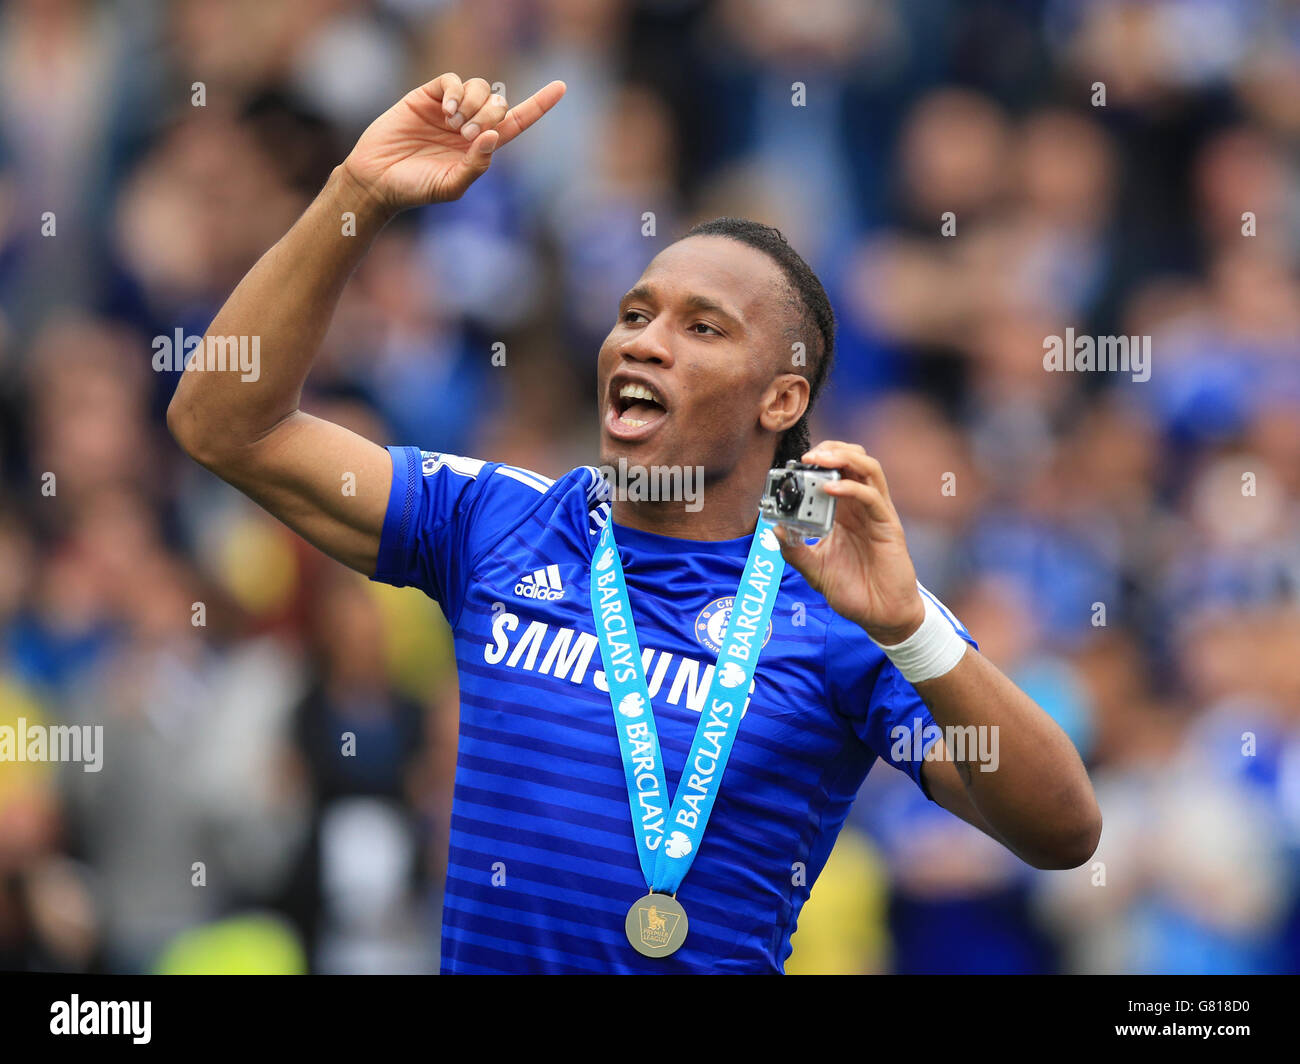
(968, 177)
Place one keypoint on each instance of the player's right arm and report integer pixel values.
(428, 148)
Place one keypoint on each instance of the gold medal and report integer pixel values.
(656, 925)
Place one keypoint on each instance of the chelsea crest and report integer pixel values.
(711, 624)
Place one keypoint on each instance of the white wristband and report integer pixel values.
(930, 651)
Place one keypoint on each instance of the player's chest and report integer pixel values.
(531, 626)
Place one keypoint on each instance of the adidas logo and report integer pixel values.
(541, 584)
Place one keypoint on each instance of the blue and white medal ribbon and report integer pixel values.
(667, 840)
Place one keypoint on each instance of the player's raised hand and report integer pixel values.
(862, 568)
(437, 140)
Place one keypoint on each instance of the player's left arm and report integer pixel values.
(1037, 799)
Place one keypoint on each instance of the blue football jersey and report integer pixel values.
(543, 866)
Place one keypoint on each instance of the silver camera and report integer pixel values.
(794, 498)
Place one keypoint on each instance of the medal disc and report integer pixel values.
(656, 925)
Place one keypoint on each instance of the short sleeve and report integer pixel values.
(444, 513)
(886, 712)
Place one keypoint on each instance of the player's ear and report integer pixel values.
(784, 402)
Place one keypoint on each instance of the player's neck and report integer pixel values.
(724, 511)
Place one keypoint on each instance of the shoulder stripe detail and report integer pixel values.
(599, 486)
(535, 481)
(599, 516)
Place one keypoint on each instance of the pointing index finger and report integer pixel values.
(523, 115)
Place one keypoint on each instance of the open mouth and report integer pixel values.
(636, 406)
